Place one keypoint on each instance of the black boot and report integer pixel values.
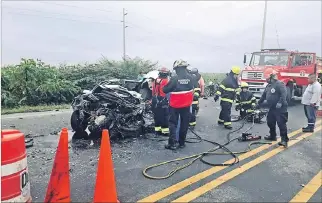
(171, 147)
(270, 138)
(308, 129)
(165, 134)
(182, 146)
(157, 133)
(228, 127)
(283, 143)
(220, 123)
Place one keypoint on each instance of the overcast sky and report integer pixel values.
(211, 36)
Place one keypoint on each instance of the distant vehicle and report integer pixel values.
(211, 89)
(292, 68)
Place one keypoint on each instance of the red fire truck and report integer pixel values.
(292, 68)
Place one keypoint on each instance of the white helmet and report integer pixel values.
(180, 63)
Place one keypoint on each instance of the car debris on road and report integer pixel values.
(111, 107)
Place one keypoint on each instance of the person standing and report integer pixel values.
(199, 88)
(160, 103)
(311, 100)
(275, 95)
(227, 91)
(180, 88)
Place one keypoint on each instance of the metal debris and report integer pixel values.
(111, 107)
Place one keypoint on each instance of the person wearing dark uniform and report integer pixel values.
(227, 91)
(275, 94)
(180, 88)
(160, 103)
(199, 87)
(245, 101)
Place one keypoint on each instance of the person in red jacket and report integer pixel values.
(160, 103)
(180, 88)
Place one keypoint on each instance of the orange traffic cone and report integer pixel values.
(105, 188)
(59, 185)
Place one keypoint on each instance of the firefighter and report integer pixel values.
(160, 103)
(245, 101)
(275, 95)
(199, 88)
(227, 91)
(180, 88)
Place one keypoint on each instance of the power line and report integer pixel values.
(139, 14)
(173, 37)
(103, 22)
(124, 26)
(73, 6)
(55, 17)
(39, 11)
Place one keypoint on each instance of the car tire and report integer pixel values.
(76, 124)
(207, 92)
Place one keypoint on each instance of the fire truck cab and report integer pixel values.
(292, 68)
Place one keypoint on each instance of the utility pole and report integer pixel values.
(124, 26)
(264, 26)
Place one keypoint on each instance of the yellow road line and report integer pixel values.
(309, 190)
(178, 186)
(226, 177)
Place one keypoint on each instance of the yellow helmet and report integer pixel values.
(244, 84)
(235, 70)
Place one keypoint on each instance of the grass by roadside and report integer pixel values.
(40, 108)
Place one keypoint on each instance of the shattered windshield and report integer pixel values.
(269, 59)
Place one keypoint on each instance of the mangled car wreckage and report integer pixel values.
(113, 107)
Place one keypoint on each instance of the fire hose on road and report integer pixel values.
(201, 155)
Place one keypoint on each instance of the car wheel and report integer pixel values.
(207, 92)
(76, 123)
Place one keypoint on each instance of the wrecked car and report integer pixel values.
(144, 86)
(112, 107)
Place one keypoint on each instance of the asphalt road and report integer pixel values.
(266, 174)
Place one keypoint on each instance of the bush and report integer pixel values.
(32, 82)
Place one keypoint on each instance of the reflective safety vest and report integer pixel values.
(181, 99)
(157, 87)
(228, 88)
(246, 100)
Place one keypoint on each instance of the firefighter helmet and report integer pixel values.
(235, 70)
(164, 70)
(180, 63)
(244, 85)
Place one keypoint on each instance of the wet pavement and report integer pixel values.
(277, 179)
